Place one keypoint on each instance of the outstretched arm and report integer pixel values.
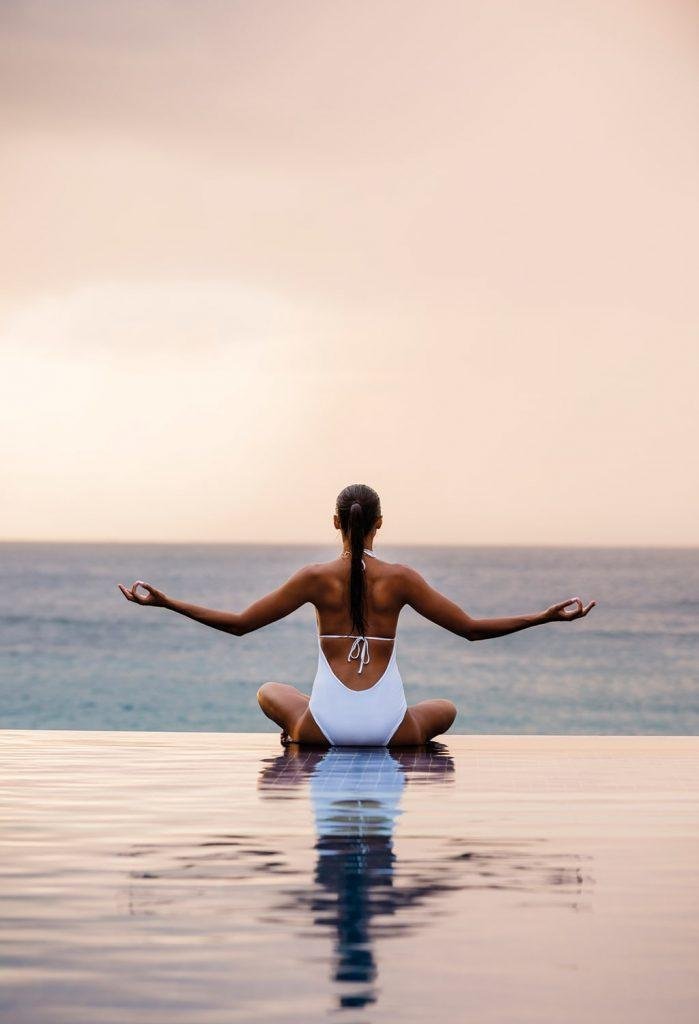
(439, 609)
(281, 602)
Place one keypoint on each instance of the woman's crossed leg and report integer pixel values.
(288, 707)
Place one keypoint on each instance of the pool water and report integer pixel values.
(209, 878)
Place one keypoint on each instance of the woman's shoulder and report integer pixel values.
(403, 581)
(401, 569)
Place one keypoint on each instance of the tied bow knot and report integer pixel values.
(359, 651)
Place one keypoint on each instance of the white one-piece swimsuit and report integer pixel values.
(366, 718)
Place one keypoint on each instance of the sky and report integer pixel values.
(255, 251)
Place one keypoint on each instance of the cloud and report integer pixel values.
(197, 318)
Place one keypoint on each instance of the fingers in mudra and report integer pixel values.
(576, 613)
(133, 593)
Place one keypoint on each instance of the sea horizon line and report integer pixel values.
(21, 541)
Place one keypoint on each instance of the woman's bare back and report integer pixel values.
(385, 597)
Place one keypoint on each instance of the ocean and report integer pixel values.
(75, 655)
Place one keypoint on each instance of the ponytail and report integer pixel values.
(358, 507)
(357, 583)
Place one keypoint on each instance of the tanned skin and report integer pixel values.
(390, 587)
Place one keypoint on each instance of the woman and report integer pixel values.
(357, 696)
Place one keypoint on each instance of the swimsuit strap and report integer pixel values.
(366, 552)
(359, 649)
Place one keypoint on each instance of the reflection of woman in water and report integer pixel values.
(359, 893)
(357, 695)
(356, 797)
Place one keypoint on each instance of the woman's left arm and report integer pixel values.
(297, 590)
(486, 629)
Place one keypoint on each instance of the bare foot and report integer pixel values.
(284, 738)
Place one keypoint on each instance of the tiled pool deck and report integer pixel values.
(216, 878)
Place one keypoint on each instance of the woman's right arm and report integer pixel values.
(297, 590)
(439, 609)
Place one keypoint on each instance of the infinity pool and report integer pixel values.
(217, 878)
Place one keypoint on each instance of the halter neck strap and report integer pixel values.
(366, 552)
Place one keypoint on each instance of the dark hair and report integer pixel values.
(357, 507)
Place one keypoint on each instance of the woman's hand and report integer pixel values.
(152, 596)
(557, 612)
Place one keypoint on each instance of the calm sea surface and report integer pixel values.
(75, 655)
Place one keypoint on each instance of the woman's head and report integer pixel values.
(357, 516)
(366, 517)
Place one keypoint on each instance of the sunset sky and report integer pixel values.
(255, 251)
